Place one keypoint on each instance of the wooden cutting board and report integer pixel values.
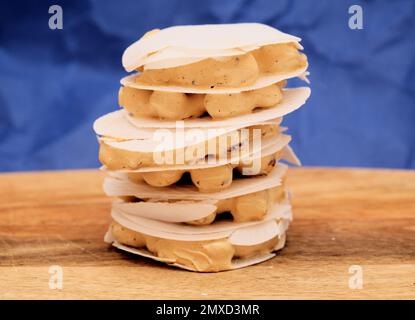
(353, 236)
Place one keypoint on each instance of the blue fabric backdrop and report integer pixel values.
(54, 83)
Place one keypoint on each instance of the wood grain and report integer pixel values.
(343, 217)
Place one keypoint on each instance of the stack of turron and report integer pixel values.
(194, 157)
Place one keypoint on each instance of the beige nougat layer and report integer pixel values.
(178, 106)
(119, 159)
(233, 71)
(202, 256)
(247, 207)
(213, 179)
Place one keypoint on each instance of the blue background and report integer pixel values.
(54, 83)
